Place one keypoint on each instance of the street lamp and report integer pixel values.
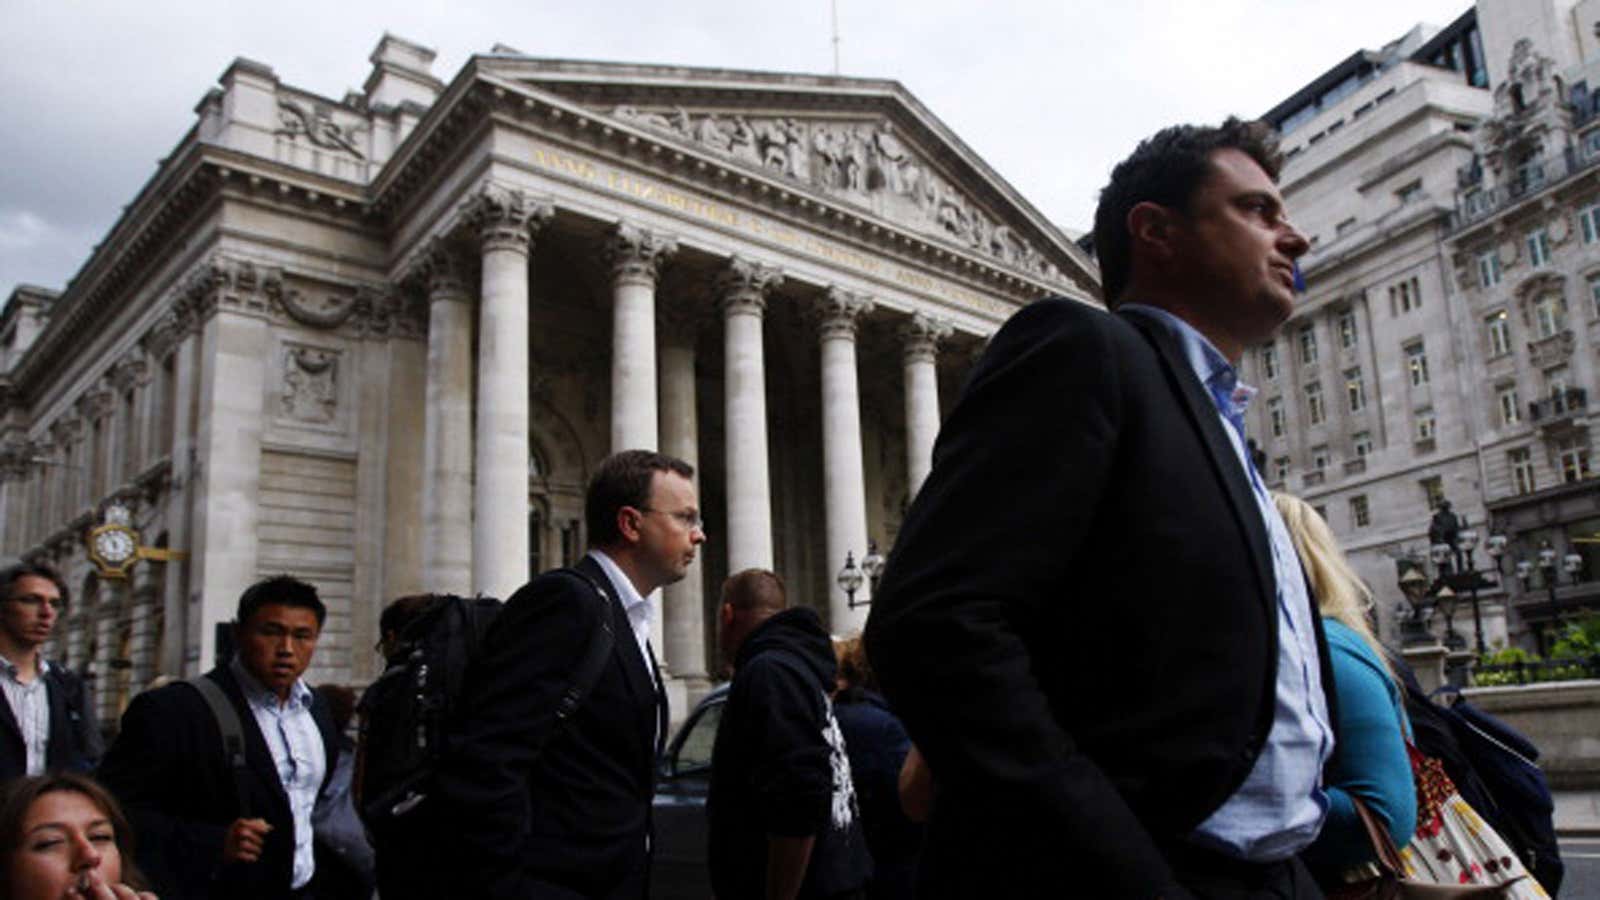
(1571, 564)
(852, 577)
(1414, 586)
(1452, 554)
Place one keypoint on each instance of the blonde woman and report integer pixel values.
(1370, 760)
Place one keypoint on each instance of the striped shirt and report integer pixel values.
(30, 704)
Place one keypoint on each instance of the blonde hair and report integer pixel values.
(1341, 595)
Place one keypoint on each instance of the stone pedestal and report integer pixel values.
(1428, 662)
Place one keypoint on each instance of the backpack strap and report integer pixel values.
(590, 666)
(227, 719)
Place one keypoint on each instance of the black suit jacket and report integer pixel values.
(74, 744)
(1078, 623)
(575, 820)
(168, 768)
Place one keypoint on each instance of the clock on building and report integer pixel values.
(114, 544)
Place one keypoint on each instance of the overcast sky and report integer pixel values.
(1051, 94)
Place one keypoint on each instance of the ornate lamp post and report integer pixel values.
(1414, 585)
(1452, 553)
(1571, 564)
(852, 577)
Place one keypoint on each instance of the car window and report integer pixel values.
(695, 751)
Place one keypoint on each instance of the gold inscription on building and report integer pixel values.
(688, 205)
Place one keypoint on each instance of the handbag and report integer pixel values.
(1394, 881)
(1453, 845)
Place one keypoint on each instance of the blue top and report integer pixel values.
(1280, 806)
(1370, 761)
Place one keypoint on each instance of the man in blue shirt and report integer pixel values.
(206, 828)
(1093, 623)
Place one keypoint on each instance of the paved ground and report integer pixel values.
(1582, 858)
(1578, 813)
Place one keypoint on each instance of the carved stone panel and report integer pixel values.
(309, 391)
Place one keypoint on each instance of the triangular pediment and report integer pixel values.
(866, 143)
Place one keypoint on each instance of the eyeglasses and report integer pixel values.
(690, 519)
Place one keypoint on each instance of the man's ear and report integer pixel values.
(725, 614)
(1150, 226)
(628, 523)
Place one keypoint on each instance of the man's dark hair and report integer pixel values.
(1167, 168)
(623, 479)
(282, 590)
(405, 610)
(9, 576)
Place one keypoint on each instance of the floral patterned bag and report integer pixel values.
(1453, 845)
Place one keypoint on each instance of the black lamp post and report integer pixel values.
(1414, 586)
(1571, 564)
(1452, 551)
(852, 577)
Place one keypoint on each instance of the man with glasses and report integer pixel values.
(46, 723)
(544, 808)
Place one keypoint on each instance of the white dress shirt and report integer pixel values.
(297, 753)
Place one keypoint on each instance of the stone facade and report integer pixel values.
(380, 342)
(1451, 355)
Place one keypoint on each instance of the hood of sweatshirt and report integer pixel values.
(800, 632)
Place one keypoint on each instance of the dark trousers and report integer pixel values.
(1211, 876)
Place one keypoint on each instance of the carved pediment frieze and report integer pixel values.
(864, 163)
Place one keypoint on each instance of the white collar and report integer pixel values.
(632, 601)
(257, 693)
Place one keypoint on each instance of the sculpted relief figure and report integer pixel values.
(862, 161)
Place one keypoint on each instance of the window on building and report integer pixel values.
(1280, 469)
(1316, 412)
(1416, 363)
(1594, 293)
(1355, 390)
(1347, 330)
(1589, 221)
(1432, 491)
(1269, 361)
(1361, 444)
(1488, 268)
(1572, 455)
(1498, 327)
(1549, 315)
(1345, 227)
(1410, 192)
(1538, 241)
(1321, 510)
(1360, 516)
(1275, 421)
(1510, 406)
(1530, 174)
(1521, 462)
(1308, 345)
(1424, 424)
(1319, 458)
(1405, 296)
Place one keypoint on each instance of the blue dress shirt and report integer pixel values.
(297, 753)
(1280, 807)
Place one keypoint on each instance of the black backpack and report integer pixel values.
(405, 712)
(1495, 769)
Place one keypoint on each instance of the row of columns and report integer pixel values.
(476, 473)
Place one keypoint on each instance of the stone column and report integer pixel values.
(178, 328)
(921, 338)
(741, 289)
(505, 221)
(844, 481)
(447, 430)
(682, 605)
(635, 256)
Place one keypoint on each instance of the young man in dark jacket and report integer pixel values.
(46, 716)
(784, 822)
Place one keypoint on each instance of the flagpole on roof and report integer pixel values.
(835, 5)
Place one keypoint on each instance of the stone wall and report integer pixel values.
(1563, 721)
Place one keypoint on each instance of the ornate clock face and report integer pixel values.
(114, 545)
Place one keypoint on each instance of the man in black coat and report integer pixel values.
(207, 829)
(47, 719)
(1093, 624)
(534, 809)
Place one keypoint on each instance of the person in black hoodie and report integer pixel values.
(782, 808)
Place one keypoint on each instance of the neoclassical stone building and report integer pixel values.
(381, 341)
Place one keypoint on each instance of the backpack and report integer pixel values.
(406, 713)
(1494, 768)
